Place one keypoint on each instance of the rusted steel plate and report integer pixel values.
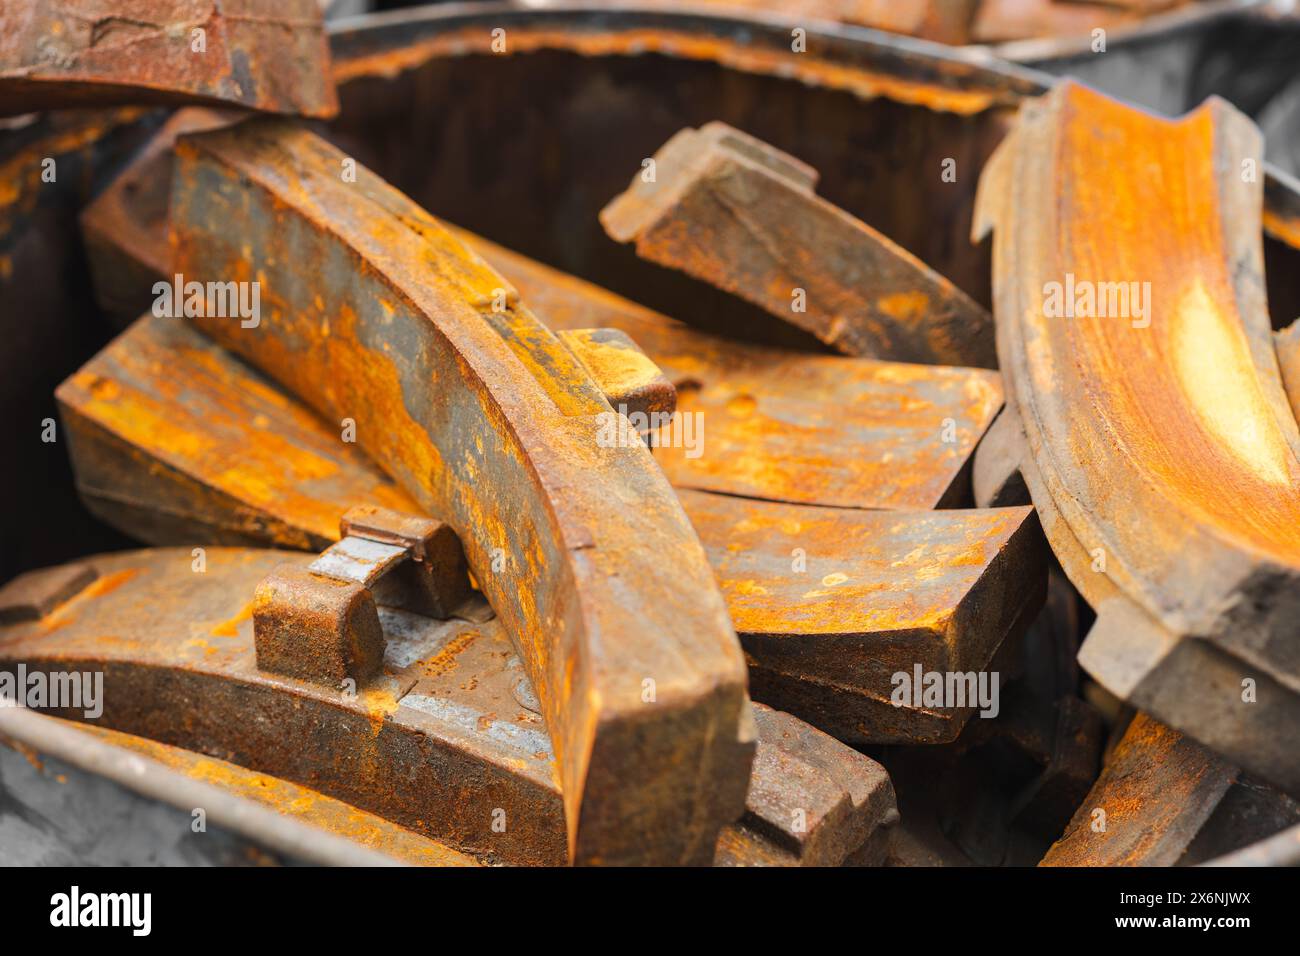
(812, 801)
(274, 816)
(831, 604)
(382, 318)
(262, 54)
(171, 639)
(125, 227)
(1151, 799)
(173, 441)
(1137, 417)
(733, 211)
(783, 425)
(454, 718)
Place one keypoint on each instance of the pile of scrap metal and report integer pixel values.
(456, 558)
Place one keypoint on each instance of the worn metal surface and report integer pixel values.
(783, 425)
(381, 317)
(886, 435)
(830, 604)
(732, 211)
(262, 54)
(1173, 501)
(625, 375)
(1154, 794)
(125, 226)
(172, 441)
(442, 718)
(115, 799)
(874, 592)
(812, 801)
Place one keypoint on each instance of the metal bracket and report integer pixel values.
(321, 623)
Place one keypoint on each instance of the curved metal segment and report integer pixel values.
(1137, 349)
(175, 647)
(378, 316)
(832, 603)
(262, 54)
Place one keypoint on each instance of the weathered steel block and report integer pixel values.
(737, 213)
(316, 628)
(628, 378)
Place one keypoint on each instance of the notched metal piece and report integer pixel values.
(812, 801)
(739, 214)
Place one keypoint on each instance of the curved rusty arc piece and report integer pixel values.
(1169, 415)
(372, 312)
(270, 55)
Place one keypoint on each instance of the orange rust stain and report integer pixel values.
(230, 628)
(108, 583)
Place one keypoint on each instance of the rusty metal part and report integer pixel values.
(27, 599)
(901, 436)
(626, 376)
(733, 211)
(1156, 792)
(316, 627)
(266, 471)
(273, 814)
(433, 582)
(831, 604)
(446, 719)
(321, 623)
(1194, 588)
(441, 718)
(878, 435)
(125, 227)
(812, 801)
(261, 54)
(381, 317)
